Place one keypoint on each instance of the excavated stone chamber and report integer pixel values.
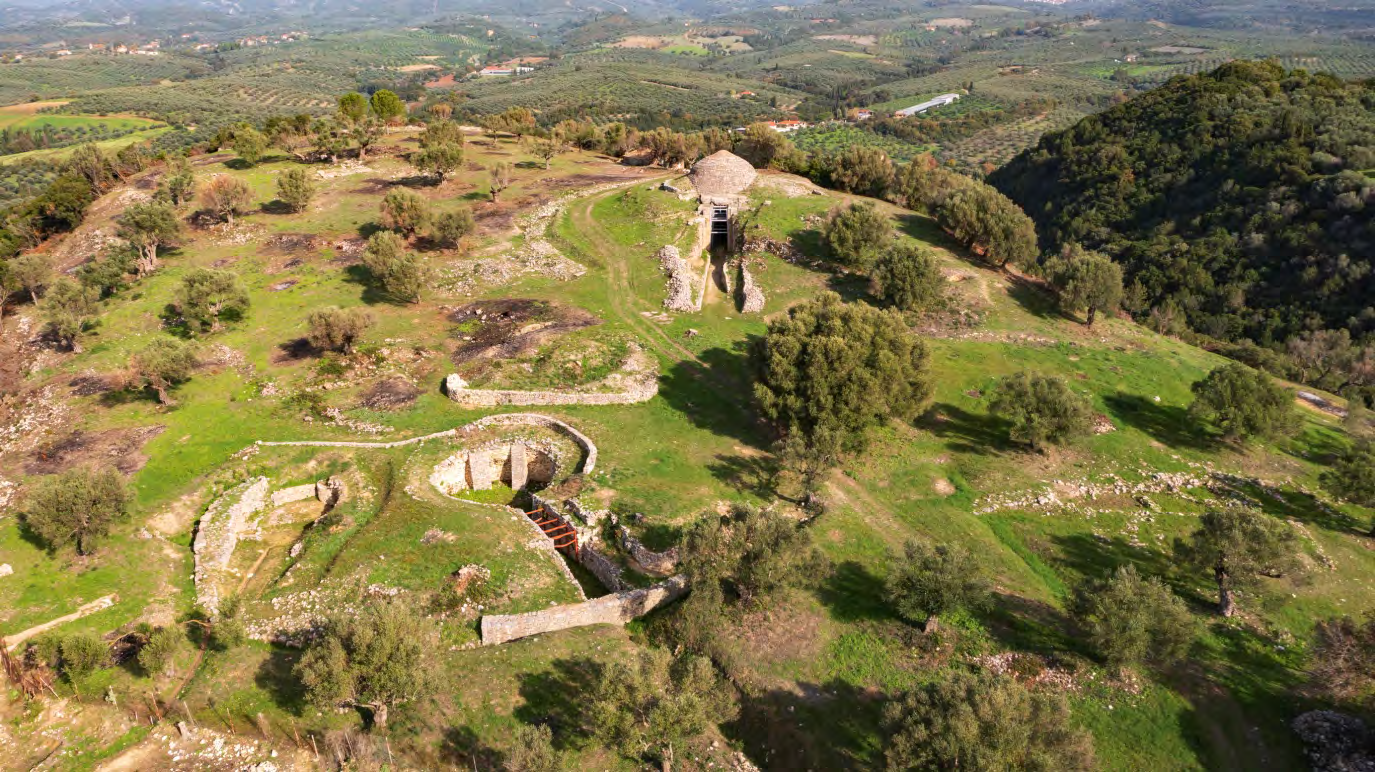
(517, 464)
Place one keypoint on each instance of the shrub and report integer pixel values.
(76, 507)
(1043, 410)
(1242, 403)
(909, 278)
(249, 144)
(857, 234)
(295, 189)
(337, 329)
(229, 629)
(1352, 475)
(930, 581)
(226, 196)
(1131, 619)
(68, 308)
(82, 654)
(983, 722)
(405, 211)
(450, 227)
(532, 750)
(162, 646)
(401, 273)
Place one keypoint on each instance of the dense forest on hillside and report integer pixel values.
(1240, 200)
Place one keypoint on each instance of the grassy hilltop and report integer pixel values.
(816, 663)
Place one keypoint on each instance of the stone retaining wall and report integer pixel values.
(295, 493)
(636, 388)
(218, 534)
(614, 609)
(650, 562)
(531, 419)
(607, 572)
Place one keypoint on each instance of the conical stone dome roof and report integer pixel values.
(722, 174)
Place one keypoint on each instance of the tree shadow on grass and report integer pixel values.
(1300, 506)
(367, 229)
(1166, 424)
(715, 398)
(1025, 624)
(755, 474)
(373, 293)
(966, 432)
(556, 697)
(835, 725)
(1035, 298)
(852, 593)
(462, 749)
(925, 229)
(1097, 557)
(852, 287)
(274, 676)
(277, 206)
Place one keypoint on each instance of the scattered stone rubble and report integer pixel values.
(751, 296)
(534, 253)
(1336, 742)
(679, 283)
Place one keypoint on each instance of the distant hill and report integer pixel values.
(1243, 198)
(1350, 16)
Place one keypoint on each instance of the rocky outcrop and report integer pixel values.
(679, 289)
(616, 609)
(637, 381)
(218, 534)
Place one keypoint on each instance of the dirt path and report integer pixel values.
(621, 293)
(99, 604)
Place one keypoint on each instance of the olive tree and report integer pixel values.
(498, 178)
(162, 646)
(249, 144)
(377, 658)
(337, 329)
(1238, 544)
(649, 704)
(207, 296)
(76, 507)
(31, 273)
(68, 308)
(1352, 475)
(1131, 619)
(928, 581)
(1085, 280)
(1242, 403)
(438, 160)
(149, 227)
(983, 722)
(1043, 410)
(829, 371)
(161, 365)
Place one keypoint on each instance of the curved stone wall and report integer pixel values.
(636, 382)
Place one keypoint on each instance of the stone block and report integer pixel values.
(520, 469)
(481, 475)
